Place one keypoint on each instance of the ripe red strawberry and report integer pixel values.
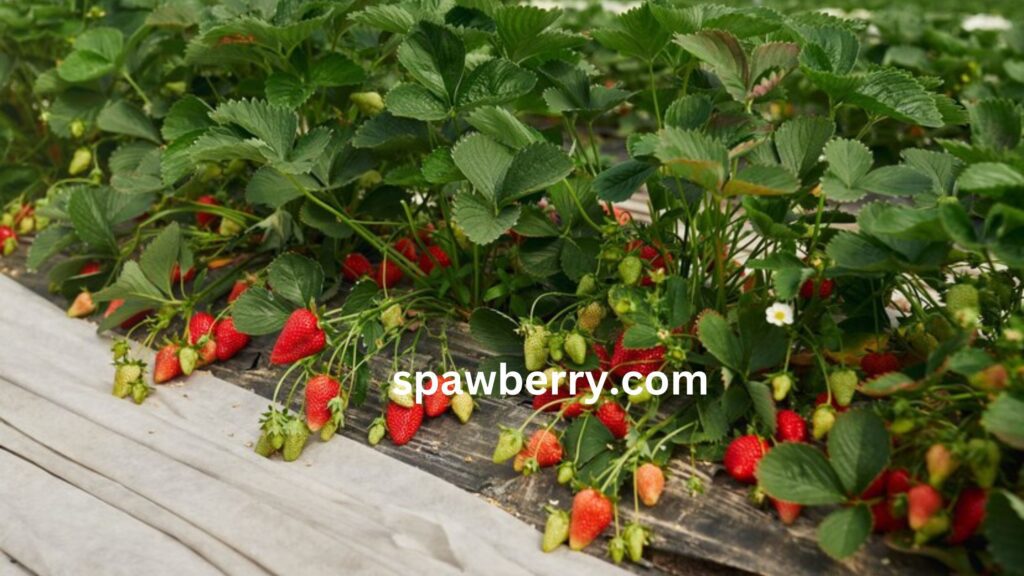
(229, 340)
(166, 366)
(437, 403)
(403, 422)
(206, 219)
(238, 289)
(651, 254)
(877, 363)
(433, 253)
(823, 397)
(790, 427)
(548, 401)
(968, 514)
(199, 325)
(614, 418)
(577, 407)
(877, 487)
(604, 363)
(897, 482)
(176, 274)
(7, 233)
(650, 483)
(923, 502)
(406, 247)
(300, 337)
(356, 266)
(642, 360)
(544, 446)
(130, 322)
(591, 514)
(207, 354)
(825, 287)
(89, 268)
(883, 520)
(388, 274)
(742, 456)
(320, 390)
(788, 511)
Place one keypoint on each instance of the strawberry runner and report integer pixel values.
(174, 488)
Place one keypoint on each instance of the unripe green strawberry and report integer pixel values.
(941, 463)
(962, 297)
(576, 347)
(936, 525)
(922, 342)
(276, 439)
(264, 447)
(617, 549)
(26, 225)
(329, 430)
(188, 357)
(822, 420)
(781, 385)
(566, 472)
(902, 426)
(392, 317)
(125, 376)
(590, 316)
(630, 269)
(295, 435)
(229, 227)
(376, 432)
(77, 128)
(404, 400)
(369, 103)
(8, 240)
(611, 253)
(140, 391)
(587, 285)
(635, 537)
(556, 342)
(843, 383)
(80, 161)
(556, 530)
(984, 456)
(510, 442)
(535, 347)
(462, 406)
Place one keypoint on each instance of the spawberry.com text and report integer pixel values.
(510, 383)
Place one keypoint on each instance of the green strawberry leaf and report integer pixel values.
(1002, 419)
(858, 447)
(1004, 523)
(799, 473)
(120, 117)
(496, 332)
(258, 312)
(296, 279)
(715, 334)
(844, 531)
(481, 220)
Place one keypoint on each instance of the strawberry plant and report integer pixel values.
(832, 233)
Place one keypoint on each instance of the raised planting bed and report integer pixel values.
(715, 532)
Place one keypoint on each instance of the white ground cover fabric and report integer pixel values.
(90, 484)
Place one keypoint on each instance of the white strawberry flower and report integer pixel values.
(779, 314)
